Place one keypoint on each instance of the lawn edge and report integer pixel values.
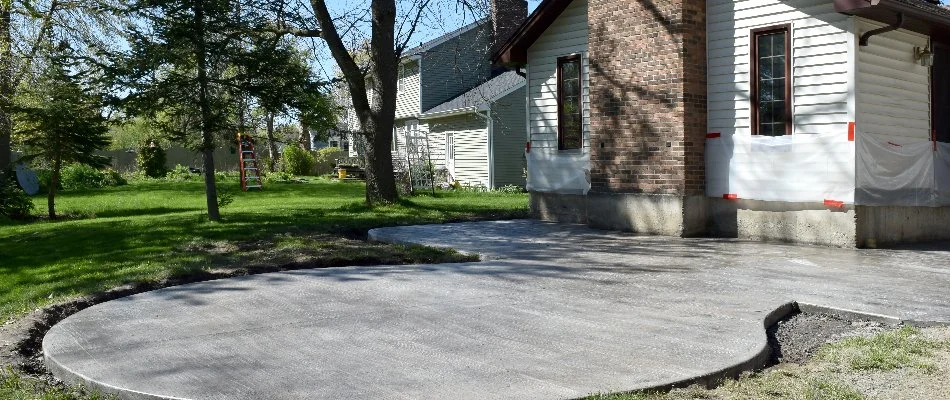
(761, 360)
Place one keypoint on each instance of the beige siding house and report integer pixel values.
(812, 121)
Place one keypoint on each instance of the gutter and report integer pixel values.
(916, 19)
(450, 113)
(867, 35)
(491, 154)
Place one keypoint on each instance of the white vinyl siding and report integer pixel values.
(566, 36)
(893, 91)
(820, 51)
(407, 99)
(551, 170)
(470, 133)
(508, 139)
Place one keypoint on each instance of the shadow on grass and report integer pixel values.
(141, 228)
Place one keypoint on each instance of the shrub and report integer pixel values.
(14, 203)
(80, 177)
(114, 178)
(297, 161)
(227, 176)
(324, 160)
(511, 189)
(181, 173)
(151, 160)
(279, 177)
(225, 196)
(45, 176)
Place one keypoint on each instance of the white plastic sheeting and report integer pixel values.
(793, 168)
(906, 174)
(552, 171)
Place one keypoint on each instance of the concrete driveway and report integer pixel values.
(553, 311)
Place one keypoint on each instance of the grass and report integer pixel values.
(903, 348)
(827, 376)
(14, 385)
(152, 230)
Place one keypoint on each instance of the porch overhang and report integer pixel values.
(514, 53)
(919, 15)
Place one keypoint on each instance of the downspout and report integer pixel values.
(520, 71)
(867, 35)
(491, 153)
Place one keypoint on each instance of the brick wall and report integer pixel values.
(648, 96)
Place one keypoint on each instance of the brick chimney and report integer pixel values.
(506, 17)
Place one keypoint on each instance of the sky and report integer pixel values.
(443, 16)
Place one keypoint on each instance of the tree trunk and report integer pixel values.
(53, 184)
(380, 180)
(271, 144)
(382, 187)
(211, 191)
(6, 88)
(376, 116)
(306, 141)
(207, 129)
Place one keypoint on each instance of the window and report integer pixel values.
(405, 70)
(771, 83)
(569, 124)
(450, 146)
(396, 132)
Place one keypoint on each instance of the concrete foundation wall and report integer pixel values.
(558, 207)
(809, 223)
(643, 213)
(890, 225)
(806, 223)
(670, 215)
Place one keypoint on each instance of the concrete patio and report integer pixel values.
(553, 311)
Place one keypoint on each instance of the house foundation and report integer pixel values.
(882, 226)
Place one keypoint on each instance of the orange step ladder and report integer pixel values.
(250, 171)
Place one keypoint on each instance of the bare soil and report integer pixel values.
(795, 338)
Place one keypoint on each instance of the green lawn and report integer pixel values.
(153, 230)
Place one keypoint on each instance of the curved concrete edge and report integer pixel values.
(376, 235)
(760, 359)
(74, 378)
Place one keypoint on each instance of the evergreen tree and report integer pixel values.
(193, 62)
(61, 123)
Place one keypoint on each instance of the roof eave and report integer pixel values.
(449, 113)
(885, 11)
(514, 53)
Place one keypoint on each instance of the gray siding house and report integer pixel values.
(458, 112)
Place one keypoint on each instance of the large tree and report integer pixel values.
(24, 26)
(371, 84)
(190, 61)
(61, 122)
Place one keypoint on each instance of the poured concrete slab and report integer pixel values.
(554, 311)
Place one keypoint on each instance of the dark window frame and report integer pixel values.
(940, 132)
(580, 100)
(754, 74)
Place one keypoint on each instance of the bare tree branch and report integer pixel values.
(351, 71)
(413, 26)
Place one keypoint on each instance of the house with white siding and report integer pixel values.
(812, 121)
(457, 113)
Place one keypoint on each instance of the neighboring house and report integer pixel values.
(483, 131)
(814, 121)
(457, 112)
